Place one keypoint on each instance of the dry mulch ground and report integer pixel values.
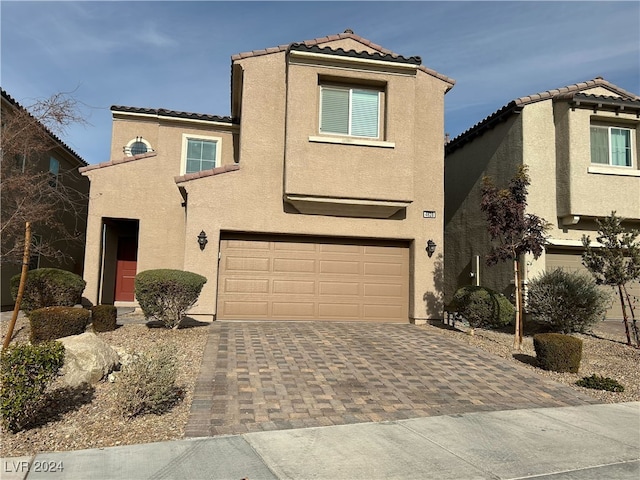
(86, 417)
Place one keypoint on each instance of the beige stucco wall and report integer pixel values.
(257, 188)
(144, 190)
(279, 114)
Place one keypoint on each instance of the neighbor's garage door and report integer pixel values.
(573, 262)
(282, 278)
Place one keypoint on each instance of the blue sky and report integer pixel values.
(176, 55)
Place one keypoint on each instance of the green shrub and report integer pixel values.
(48, 287)
(166, 295)
(104, 318)
(557, 352)
(483, 307)
(49, 323)
(597, 382)
(148, 383)
(25, 372)
(567, 301)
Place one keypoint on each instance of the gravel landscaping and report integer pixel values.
(86, 417)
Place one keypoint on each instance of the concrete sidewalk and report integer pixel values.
(583, 442)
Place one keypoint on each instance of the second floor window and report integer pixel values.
(200, 153)
(350, 111)
(611, 146)
(54, 171)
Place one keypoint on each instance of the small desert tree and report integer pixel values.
(513, 231)
(615, 263)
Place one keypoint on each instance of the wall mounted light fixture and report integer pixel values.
(431, 247)
(202, 240)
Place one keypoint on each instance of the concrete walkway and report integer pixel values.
(566, 443)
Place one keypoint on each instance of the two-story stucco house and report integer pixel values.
(580, 143)
(314, 200)
(36, 149)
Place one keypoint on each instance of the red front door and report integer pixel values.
(126, 268)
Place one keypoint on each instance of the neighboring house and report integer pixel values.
(62, 163)
(581, 145)
(308, 201)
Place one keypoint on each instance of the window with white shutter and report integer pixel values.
(350, 111)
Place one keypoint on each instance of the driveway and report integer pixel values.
(258, 376)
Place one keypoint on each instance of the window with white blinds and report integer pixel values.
(611, 146)
(350, 111)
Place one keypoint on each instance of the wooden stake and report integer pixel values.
(23, 281)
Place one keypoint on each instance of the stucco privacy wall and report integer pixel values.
(257, 188)
(465, 225)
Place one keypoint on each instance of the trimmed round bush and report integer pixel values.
(104, 318)
(483, 307)
(166, 295)
(25, 372)
(48, 287)
(49, 323)
(557, 352)
(567, 301)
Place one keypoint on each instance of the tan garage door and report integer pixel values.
(573, 261)
(282, 278)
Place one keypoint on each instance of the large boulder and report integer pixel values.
(88, 359)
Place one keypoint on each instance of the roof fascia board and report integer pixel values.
(176, 119)
(353, 60)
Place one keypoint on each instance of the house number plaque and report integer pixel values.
(428, 214)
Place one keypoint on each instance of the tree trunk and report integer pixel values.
(517, 340)
(23, 281)
(634, 325)
(624, 315)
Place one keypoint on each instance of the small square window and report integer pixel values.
(200, 153)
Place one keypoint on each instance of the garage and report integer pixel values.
(572, 261)
(315, 278)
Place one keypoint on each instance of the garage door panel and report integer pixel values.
(294, 309)
(339, 288)
(382, 311)
(245, 309)
(339, 310)
(246, 285)
(246, 264)
(275, 278)
(340, 267)
(293, 265)
(383, 269)
(387, 290)
(298, 287)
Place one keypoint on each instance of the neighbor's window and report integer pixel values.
(611, 146)
(54, 171)
(200, 153)
(350, 111)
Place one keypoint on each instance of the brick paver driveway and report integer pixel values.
(278, 375)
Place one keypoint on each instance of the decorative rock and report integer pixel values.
(88, 359)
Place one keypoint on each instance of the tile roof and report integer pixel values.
(55, 138)
(571, 92)
(163, 112)
(132, 158)
(384, 53)
(207, 173)
(302, 47)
